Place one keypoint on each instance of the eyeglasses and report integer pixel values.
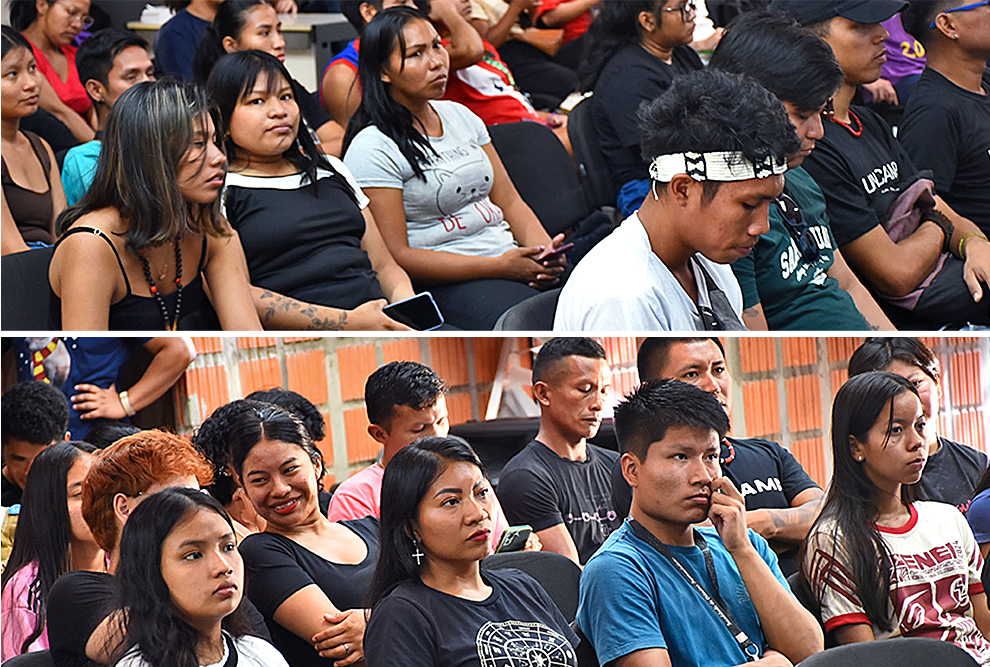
(690, 10)
(799, 229)
(86, 20)
(964, 8)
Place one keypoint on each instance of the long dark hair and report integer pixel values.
(615, 27)
(233, 77)
(11, 39)
(876, 353)
(852, 503)
(266, 421)
(408, 477)
(153, 623)
(229, 22)
(44, 530)
(382, 36)
(149, 131)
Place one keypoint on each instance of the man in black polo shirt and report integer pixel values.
(781, 499)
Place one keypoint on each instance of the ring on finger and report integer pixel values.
(347, 649)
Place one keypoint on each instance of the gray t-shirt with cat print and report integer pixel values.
(449, 211)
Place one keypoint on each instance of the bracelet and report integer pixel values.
(962, 242)
(932, 215)
(126, 403)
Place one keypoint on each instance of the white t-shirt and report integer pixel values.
(251, 652)
(621, 285)
(937, 566)
(450, 211)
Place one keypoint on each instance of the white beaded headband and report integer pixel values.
(715, 166)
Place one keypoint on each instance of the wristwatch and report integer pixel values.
(944, 224)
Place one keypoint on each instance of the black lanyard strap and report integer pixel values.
(748, 646)
(232, 652)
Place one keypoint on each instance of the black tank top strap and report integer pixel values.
(102, 235)
(202, 255)
(39, 149)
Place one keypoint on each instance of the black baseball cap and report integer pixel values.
(807, 12)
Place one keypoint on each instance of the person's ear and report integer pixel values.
(412, 531)
(629, 464)
(682, 189)
(379, 434)
(368, 11)
(41, 6)
(647, 21)
(121, 508)
(229, 44)
(856, 449)
(541, 392)
(944, 24)
(96, 91)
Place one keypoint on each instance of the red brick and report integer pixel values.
(356, 364)
(260, 374)
(450, 360)
(757, 354)
(804, 402)
(762, 408)
(306, 372)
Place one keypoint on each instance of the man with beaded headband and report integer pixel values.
(717, 147)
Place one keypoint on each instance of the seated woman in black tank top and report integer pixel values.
(140, 249)
(32, 190)
(305, 226)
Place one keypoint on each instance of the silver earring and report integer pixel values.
(417, 554)
(859, 458)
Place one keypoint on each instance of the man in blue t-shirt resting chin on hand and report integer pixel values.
(724, 601)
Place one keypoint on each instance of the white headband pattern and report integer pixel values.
(715, 166)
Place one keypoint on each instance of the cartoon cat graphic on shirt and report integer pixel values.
(461, 185)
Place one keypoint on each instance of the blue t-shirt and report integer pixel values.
(632, 598)
(79, 168)
(95, 360)
(979, 516)
(176, 43)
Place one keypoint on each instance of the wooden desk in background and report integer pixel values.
(308, 39)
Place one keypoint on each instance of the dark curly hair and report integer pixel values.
(714, 111)
(35, 412)
(212, 438)
(298, 405)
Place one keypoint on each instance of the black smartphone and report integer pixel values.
(419, 312)
(513, 539)
(556, 251)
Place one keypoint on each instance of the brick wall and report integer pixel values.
(782, 387)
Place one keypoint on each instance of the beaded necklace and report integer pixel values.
(856, 132)
(159, 299)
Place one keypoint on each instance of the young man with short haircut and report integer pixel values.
(782, 501)
(717, 145)
(109, 63)
(405, 402)
(560, 484)
(795, 278)
(661, 592)
(35, 415)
